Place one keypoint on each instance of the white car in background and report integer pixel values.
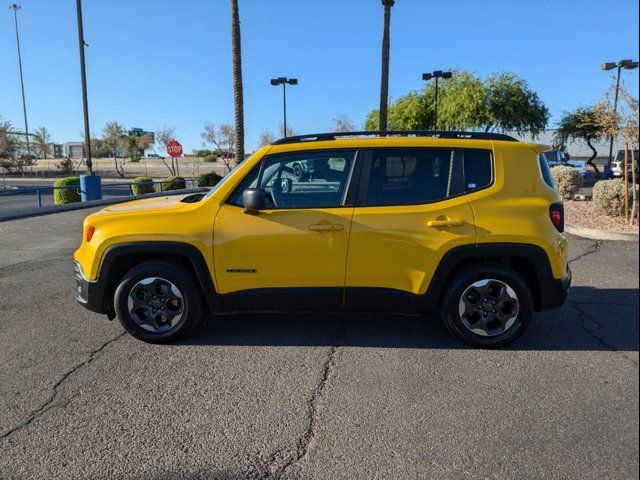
(561, 158)
(618, 163)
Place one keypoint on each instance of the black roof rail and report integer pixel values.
(316, 137)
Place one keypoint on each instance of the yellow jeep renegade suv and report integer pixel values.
(469, 223)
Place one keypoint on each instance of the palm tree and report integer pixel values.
(237, 81)
(42, 140)
(384, 83)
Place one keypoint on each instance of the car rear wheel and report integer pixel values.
(487, 305)
(158, 301)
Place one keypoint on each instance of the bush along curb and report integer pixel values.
(595, 234)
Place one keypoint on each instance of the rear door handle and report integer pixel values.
(445, 223)
(326, 227)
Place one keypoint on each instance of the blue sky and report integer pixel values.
(161, 62)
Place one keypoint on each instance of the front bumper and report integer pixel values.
(88, 293)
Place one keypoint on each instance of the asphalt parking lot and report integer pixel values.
(311, 396)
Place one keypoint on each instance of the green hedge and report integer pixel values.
(208, 179)
(567, 179)
(608, 198)
(142, 185)
(66, 195)
(174, 183)
(210, 157)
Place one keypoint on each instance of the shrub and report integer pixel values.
(66, 195)
(608, 197)
(568, 181)
(142, 185)
(210, 157)
(174, 183)
(208, 179)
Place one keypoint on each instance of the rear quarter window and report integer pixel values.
(546, 171)
(478, 169)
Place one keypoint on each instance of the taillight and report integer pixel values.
(556, 212)
(89, 234)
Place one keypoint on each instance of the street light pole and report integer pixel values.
(284, 81)
(83, 74)
(628, 65)
(284, 107)
(436, 74)
(15, 8)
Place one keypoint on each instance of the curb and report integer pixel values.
(594, 234)
(36, 212)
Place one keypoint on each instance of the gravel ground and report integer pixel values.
(581, 213)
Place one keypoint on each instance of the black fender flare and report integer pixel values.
(190, 253)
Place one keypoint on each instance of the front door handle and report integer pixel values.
(326, 227)
(445, 223)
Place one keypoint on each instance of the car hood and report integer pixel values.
(172, 202)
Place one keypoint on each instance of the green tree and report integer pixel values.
(502, 102)
(114, 138)
(581, 124)
(41, 142)
(135, 146)
(514, 106)
(413, 111)
(463, 103)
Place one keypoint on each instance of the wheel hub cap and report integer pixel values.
(488, 307)
(155, 304)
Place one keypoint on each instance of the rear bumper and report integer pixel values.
(88, 293)
(554, 292)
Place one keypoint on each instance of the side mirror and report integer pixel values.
(254, 200)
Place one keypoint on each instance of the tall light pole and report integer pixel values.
(15, 8)
(436, 74)
(627, 65)
(284, 81)
(83, 74)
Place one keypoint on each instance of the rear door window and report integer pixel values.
(413, 176)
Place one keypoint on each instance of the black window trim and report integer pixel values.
(361, 197)
(353, 181)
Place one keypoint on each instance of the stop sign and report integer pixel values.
(174, 148)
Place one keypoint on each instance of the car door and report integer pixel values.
(291, 255)
(410, 210)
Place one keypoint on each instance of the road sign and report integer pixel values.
(174, 148)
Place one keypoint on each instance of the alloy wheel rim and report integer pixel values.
(488, 307)
(155, 304)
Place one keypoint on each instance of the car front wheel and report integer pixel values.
(487, 305)
(158, 301)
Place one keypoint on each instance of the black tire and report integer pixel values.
(453, 297)
(181, 278)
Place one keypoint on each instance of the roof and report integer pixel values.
(439, 134)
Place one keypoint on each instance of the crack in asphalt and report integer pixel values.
(595, 247)
(592, 332)
(51, 401)
(281, 461)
